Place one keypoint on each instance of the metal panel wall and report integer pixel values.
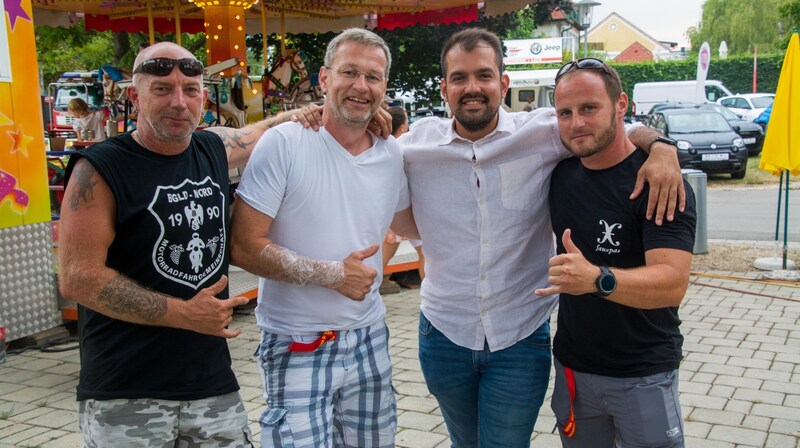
(28, 302)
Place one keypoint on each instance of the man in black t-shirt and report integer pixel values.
(144, 252)
(620, 277)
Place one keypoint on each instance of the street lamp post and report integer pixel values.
(584, 8)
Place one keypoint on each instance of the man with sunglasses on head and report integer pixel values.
(144, 252)
(620, 278)
(312, 209)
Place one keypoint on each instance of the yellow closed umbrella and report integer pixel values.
(781, 151)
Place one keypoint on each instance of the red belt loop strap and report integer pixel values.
(324, 337)
(569, 427)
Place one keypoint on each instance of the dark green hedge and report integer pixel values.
(736, 72)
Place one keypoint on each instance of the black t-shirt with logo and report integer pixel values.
(172, 228)
(596, 335)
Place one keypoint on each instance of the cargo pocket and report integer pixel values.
(273, 422)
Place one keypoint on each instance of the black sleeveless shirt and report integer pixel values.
(172, 225)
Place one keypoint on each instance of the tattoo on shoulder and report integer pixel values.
(121, 295)
(84, 185)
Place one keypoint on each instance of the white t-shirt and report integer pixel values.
(91, 122)
(326, 204)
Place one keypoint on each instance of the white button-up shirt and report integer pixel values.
(482, 212)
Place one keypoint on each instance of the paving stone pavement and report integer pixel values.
(740, 377)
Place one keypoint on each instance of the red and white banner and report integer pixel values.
(533, 51)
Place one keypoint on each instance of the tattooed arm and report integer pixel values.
(87, 231)
(239, 143)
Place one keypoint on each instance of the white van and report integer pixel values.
(536, 85)
(646, 94)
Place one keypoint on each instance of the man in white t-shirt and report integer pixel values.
(314, 208)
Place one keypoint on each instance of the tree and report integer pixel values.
(416, 49)
(742, 24)
(789, 12)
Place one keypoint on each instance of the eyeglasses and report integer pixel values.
(164, 66)
(371, 78)
(581, 64)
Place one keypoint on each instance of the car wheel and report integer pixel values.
(739, 174)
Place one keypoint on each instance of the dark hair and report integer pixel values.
(399, 117)
(606, 72)
(470, 38)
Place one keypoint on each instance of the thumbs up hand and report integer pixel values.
(358, 276)
(570, 273)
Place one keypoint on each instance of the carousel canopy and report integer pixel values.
(299, 16)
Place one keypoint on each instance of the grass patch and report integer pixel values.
(755, 176)
(4, 415)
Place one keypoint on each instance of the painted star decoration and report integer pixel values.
(15, 11)
(19, 141)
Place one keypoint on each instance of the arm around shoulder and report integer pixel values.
(239, 143)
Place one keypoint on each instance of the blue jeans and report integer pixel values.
(488, 399)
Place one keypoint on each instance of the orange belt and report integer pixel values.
(324, 337)
(569, 427)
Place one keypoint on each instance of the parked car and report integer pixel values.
(705, 140)
(646, 94)
(751, 133)
(748, 105)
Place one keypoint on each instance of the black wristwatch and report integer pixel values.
(606, 282)
(662, 139)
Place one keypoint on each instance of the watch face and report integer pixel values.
(607, 283)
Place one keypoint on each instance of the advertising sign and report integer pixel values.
(533, 51)
(24, 193)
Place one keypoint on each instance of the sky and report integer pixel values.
(661, 19)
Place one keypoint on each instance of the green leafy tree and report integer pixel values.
(742, 24)
(789, 12)
(416, 49)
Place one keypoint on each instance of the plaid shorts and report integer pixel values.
(339, 395)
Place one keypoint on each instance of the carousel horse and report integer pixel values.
(288, 84)
(113, 95)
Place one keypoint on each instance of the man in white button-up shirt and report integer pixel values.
(479, 186)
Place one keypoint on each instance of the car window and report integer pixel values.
(727, 102)
(693, 123)
(724, 111)
(657, 122)
(761, 102)
(714, 92)
(741, 103)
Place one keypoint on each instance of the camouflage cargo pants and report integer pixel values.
(212, 422)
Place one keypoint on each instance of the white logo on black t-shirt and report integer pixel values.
(190, 248)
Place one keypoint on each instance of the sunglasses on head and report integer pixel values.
(164, 66)
(581, 64)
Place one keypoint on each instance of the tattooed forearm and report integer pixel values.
(122, 296)
(239, 139)
(84, 185)
(245, 138)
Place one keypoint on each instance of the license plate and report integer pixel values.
(715, 157)
(749, 141)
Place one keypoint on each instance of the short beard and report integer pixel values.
(346, 119)
(474, 124)
(165, 136)
(603, 140)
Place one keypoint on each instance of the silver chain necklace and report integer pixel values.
(139, 140)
